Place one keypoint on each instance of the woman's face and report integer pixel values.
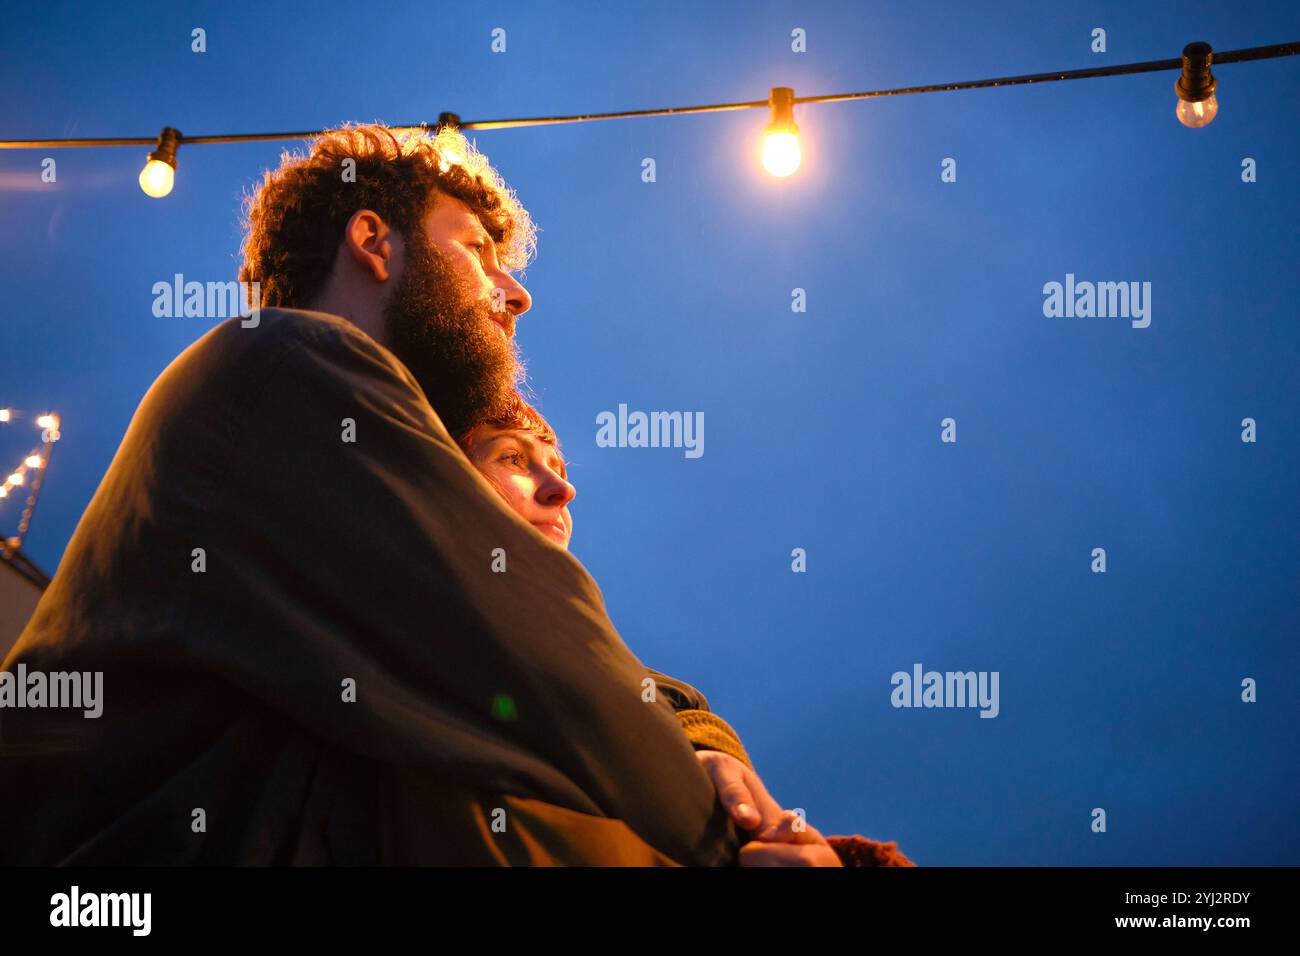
(529, 474)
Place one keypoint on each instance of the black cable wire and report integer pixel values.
(1122, 69)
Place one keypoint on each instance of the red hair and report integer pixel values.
(519, 415)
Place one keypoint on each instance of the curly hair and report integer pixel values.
(294, 220)
(519, 415)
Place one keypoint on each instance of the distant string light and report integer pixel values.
(1197, 106)
(29, 473)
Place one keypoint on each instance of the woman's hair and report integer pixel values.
(294, 220)
(518, 415)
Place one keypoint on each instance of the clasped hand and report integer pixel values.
(781, 837)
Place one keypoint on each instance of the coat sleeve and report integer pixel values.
(679, 694)
(705, 729)
(407, 615)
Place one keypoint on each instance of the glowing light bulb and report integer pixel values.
(159, 173)
(1195, 88)
(4, 414)
(1199, 113)
(32, 461)
(16, 478)
(4, 491)
(781, 153)
(47, 421)
(448, 159)
(157, 178)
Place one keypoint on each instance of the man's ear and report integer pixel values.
(369, 242)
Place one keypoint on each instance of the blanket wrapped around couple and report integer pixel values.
(287, 581)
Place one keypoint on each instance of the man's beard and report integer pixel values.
(445, 335)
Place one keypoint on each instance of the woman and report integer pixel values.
(519, 455)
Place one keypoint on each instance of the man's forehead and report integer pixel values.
(455, 213)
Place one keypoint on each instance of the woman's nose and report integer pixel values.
(555, 491)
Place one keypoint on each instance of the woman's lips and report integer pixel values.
(552, 529)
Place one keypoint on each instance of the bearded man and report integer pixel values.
(323, 638)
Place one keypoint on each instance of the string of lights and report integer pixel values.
(1196, 106)
(30, 471)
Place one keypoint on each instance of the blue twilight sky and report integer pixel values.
(822, 429)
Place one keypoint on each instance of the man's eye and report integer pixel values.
(514, 457)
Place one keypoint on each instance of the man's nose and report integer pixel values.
(518, 301)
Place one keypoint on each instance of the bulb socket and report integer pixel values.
(1197, 82)
(447, 119)
(781, 101)
(168, 142)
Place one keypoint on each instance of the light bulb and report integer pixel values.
(781, 143)
(32, 461)
(781, 153)
(47, 421)
(448, 159)
(156, 178)
(4, 414)
(16, 478)
(1195, 87)
(1199, 113)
